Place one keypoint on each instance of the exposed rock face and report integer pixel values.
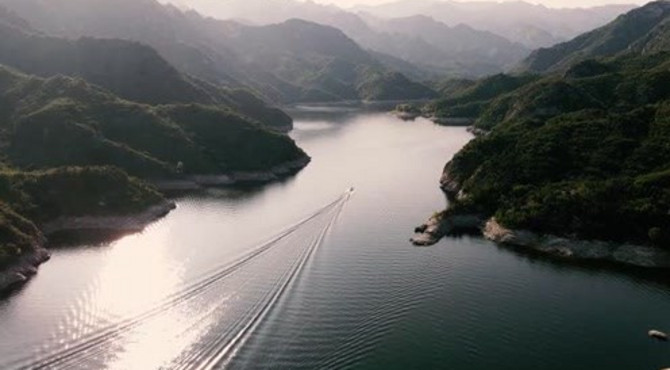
(449, 184)
(21, 270)
(441, 225)
(628, 254)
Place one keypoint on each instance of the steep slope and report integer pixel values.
(212, 50)
(581, 155)
(643, 30)
(129, 69)
(62, 121)
(326, 63)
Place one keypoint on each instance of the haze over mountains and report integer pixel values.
(444, 37)
(315, 63)
(529, 24)
(643, 30)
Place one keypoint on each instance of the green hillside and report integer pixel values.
(643, 30)
(68, 147)
(128, 69)
(63, 121)
(586, 154)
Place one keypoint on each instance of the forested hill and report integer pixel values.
(219, 51)
(131, 70)
(64, 121)
(643, 30)
(586, 154)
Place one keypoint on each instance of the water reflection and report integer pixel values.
(364, 299)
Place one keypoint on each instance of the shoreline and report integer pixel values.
(442, 121)
(21, 270)
(578, 249)
(134, 222)
(197, 182)
(567, 249)
(561, 248)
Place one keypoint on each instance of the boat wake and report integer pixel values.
(205, 323)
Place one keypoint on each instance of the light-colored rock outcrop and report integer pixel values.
(441, 225)
(628, 254)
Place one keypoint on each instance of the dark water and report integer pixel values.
(222, 282)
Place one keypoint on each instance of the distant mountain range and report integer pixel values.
(457, 39)
(644, 30)
(284, 65)
(531, 25)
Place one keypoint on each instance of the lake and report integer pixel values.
(302, 274)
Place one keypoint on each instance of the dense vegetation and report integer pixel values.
(466, 99)
(643, 30)
(586, 154)
(17, 234)
(68, 148)
(128, 69)
(62, 121)
(105, 113)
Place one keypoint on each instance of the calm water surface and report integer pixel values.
(344, 289)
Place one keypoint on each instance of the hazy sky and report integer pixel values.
(551, 3)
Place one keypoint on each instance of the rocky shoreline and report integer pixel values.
(441, 225)
(578, 250)
(196, 182)
(450, 222)
(22, 269)
(563, 248)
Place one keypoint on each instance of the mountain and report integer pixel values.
(532, 25)
(476, 101)
(321, 59)
(62, 121)
(131, 70)
(214, 50)
(420, 40)
(643, 30)
(459, 50)
(582, 154)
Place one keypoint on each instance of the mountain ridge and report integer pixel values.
(206, 48)
(641, 30)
